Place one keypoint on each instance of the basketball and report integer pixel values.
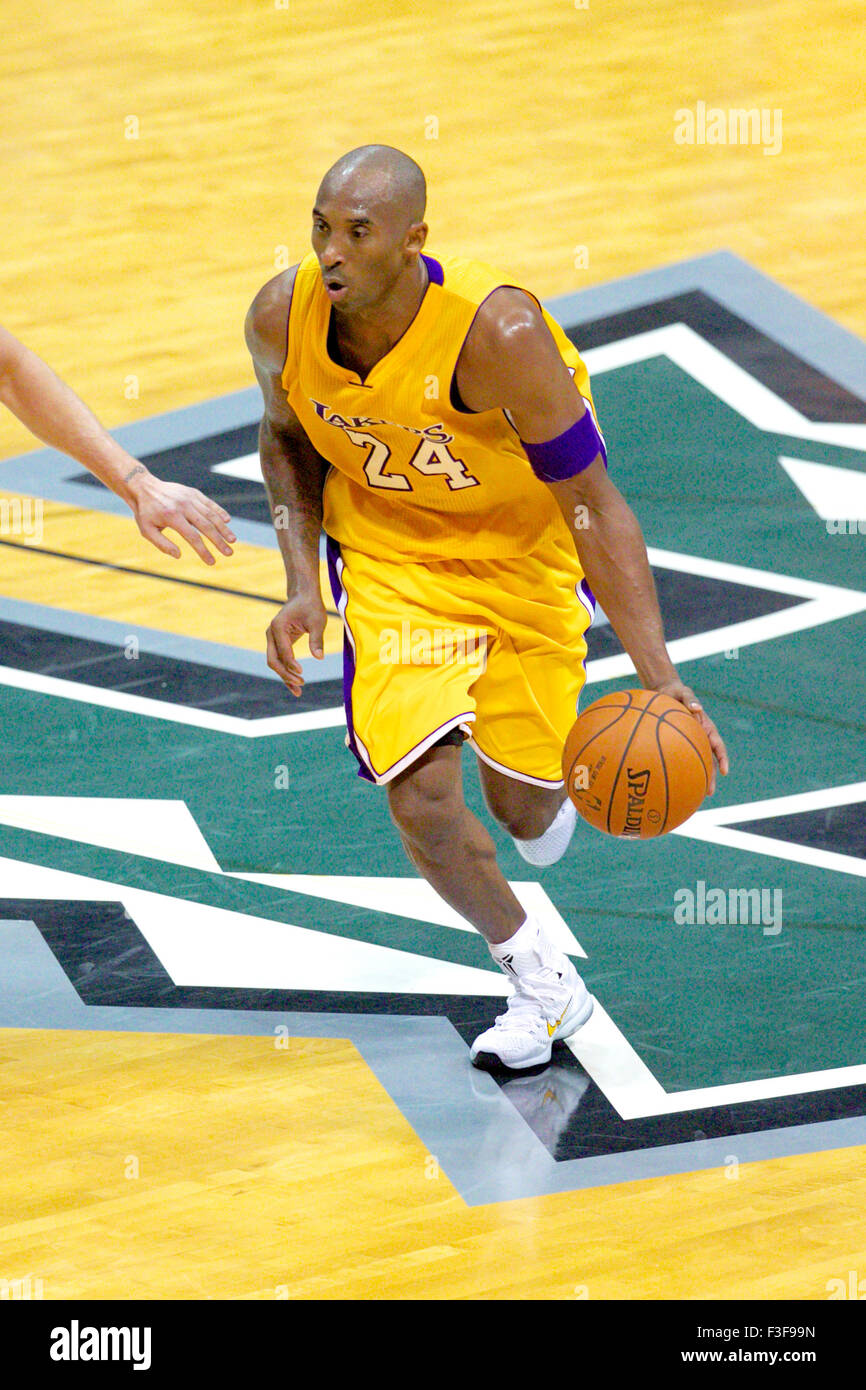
(637, 764)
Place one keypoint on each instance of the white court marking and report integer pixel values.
(717, 826)
(200, 945)
(834, 493)
(167, 831)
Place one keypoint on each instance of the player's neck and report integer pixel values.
(365, 337)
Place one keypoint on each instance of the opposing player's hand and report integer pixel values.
(687, 697)
(158, 505)
(305, 613)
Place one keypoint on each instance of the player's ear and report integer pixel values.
(416, 237)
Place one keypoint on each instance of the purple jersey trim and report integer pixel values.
(332, 549)
(434, 270)
(424, 743)
(288, 326)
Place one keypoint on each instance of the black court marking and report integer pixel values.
(818, 397)
(593, 1127)
(839, 829)
(170, 680)
(692, 603)
(685, 599)
(109, 963)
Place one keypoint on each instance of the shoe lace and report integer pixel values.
(531, 1001)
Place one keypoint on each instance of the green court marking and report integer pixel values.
(704, 481)
(702, 1005)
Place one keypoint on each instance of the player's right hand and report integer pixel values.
(687, 697)
(305, 613)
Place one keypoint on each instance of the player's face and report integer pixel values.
(361, 252)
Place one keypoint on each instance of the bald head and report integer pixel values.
(369, 231)
(382, 177)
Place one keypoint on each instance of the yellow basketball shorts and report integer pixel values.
(495, 648)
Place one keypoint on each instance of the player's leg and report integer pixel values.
(449, 846)
(540, 820)
(525, 704)
(398, 710)
(527, 697)
(452, 850)
(523, 810)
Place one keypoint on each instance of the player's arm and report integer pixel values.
(513, 363)
(53, 412)
(294, 474)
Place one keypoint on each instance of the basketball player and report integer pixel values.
(53, 412)
(440, 424)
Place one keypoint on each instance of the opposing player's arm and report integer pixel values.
(511, 362)
(294, 474)
(51, 410)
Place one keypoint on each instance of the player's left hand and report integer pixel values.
(677, 691)
(157, 504)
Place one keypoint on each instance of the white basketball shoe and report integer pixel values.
(550, 1002)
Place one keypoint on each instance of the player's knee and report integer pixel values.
(425, 801)
(502, 805)
(517, 823)
(525, 818)
(520, 824)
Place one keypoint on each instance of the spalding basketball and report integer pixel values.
(637, 764)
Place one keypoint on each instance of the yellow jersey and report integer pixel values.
(413, 474)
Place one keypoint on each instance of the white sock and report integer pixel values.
(551, 846)
(524, 952)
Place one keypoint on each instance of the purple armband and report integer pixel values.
(557, 459)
